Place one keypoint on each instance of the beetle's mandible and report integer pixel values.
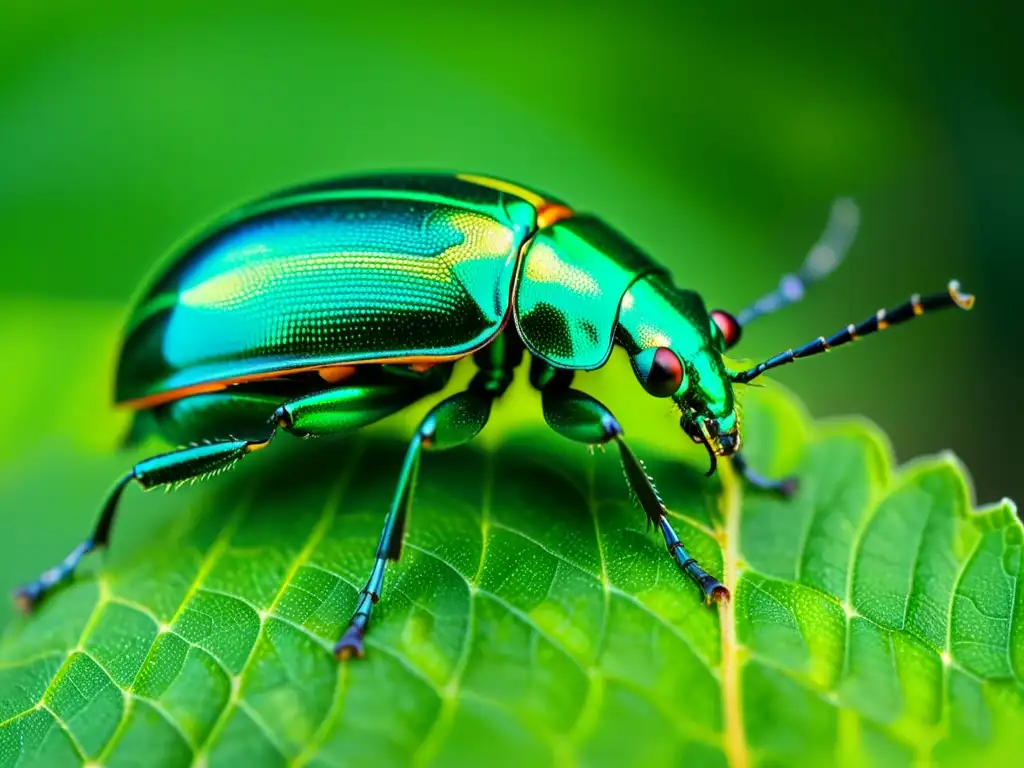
(325, 308)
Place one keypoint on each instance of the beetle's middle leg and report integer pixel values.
(451, 423)
(580, 417)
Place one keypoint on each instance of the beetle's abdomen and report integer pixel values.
(325, 282)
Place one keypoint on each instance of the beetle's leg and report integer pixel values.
(821, 261)
(582, 418)
(786, 487)
(916, 307)
(173, 468)
(336, 410)
(451, 423)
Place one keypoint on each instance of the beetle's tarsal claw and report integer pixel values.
(788, 487)
(27, 597)
(351, 645)
(716, 593)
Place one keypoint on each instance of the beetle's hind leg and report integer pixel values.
(166, 469)
(582, 418)
(379, 393)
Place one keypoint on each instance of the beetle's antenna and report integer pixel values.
(884, 318)
(823, 259)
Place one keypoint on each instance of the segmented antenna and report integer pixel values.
(823, 259)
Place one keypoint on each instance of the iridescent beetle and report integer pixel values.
(328, 307)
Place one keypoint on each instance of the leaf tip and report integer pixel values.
(1008, 506)
(950, 457)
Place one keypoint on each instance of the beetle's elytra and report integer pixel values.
(328, 307)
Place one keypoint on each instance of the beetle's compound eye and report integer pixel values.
(728, 325)
(659, 370)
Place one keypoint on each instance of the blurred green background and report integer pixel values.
(714, 138)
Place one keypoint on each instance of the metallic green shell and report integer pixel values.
(571, 282)
(410, 266)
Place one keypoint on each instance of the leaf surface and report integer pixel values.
(876, 618)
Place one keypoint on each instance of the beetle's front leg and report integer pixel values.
(582, 418)
(786, 487)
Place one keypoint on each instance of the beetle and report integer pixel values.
(327, 307)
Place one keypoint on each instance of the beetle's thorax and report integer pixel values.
(569, 286)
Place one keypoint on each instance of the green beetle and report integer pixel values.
(325, 308)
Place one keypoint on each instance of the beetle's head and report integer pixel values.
(699, 385)
(676, 347)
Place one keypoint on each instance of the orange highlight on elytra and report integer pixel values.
(552, 213)
(336, 374)
(548, 212)
(343, 372)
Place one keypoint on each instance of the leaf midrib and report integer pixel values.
(735, 744)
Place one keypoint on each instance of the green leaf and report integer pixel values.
(876, 618)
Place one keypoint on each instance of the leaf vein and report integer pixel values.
(218, 547)
(319, 531)
(442, 723)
